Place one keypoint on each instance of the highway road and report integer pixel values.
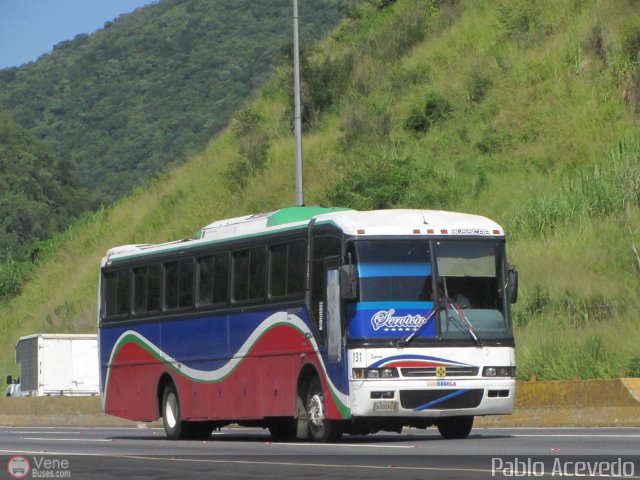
(141, 453)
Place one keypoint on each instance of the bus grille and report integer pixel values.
(435, 399)
(431, 372)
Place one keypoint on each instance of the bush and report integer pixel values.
(253, 141)
(378, 182)
(416, 121)
(364, 122)
(478, 85)
(634, 367)
(436, 109)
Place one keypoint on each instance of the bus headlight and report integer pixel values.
(499, 372)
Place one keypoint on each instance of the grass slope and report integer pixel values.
(525, 112)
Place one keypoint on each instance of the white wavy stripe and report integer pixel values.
(214, 375)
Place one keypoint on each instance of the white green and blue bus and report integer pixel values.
(312, 322)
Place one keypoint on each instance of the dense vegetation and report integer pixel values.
(525, 112)
(111, 110)
(37, 196)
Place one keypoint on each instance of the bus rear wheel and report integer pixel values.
(455, 427)
(174, 426)
(321, 429)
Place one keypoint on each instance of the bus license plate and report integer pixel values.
(385, 406)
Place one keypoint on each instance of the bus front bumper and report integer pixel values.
(432, 398)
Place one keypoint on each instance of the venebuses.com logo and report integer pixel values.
(38, 467)
(18, 467)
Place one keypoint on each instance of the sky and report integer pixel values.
(30, 28)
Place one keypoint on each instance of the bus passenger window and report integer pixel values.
(124, 293)
(213, 272)
(178, 284)
(110, 290)
(287, 268)
(186, 284)
(249, 268)
(146, 289)
(278, 270)
(154, 288)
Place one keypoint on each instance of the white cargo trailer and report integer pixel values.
(58, 364)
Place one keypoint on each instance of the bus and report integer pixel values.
(312, 322)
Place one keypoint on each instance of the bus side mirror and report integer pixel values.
(348, 283)
(512, 284)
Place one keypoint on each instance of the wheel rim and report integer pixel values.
(171, 410)
(316, 410)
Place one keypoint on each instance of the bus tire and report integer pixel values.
(321, 429)
(455, 427)
(174, 427)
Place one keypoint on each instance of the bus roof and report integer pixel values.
(351, 222)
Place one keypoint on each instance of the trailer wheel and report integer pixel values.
(455, 427)
(321, 429)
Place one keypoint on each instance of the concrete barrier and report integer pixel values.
(588, 403)
(613, 402)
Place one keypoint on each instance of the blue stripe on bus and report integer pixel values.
(399, 269)
(425, 306)
(442, 399)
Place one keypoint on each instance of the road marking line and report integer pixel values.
(68, 439)
(343, 466)
(33, 432)
(606, 435)
(291, 464)
(340, 445)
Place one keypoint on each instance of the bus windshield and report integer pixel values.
(443, 290)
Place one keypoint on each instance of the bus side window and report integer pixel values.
(147, 284)
(213, 275)
(325, 246)
(287, 272)
(179, 284)
(249, 274)
(117, 294)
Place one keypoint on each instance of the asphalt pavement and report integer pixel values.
(235, 453)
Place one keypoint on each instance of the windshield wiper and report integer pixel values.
(462, 320)
(403, 342)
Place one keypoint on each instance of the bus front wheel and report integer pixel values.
(455, 427)
(321, 429)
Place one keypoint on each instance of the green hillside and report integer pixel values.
(37, 196)
(109, 111)
(526, 112)
(152, 86)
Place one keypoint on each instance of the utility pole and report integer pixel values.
(297, 117)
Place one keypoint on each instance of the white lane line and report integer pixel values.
(349, 466)
(34, 432)
(606, 435)
(286, 464)
(303, 464)
(45, 439)
(341, 445)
